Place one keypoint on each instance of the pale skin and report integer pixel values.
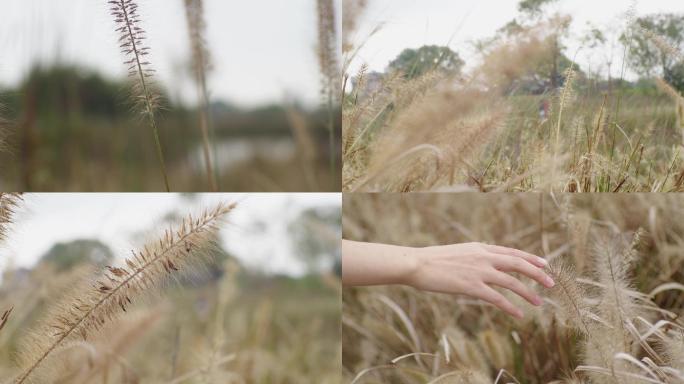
(470, 269)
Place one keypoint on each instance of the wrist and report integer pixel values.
(409, 266)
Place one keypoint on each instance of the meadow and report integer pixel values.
(504, 124)
(614, 315)
(179, 309)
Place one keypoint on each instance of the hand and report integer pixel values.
(471, 268)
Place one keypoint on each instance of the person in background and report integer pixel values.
(544, 110)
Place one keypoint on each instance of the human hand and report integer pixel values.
(472, 268)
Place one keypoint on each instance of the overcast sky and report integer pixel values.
(262, 49)
(115, 219)
(413, 23)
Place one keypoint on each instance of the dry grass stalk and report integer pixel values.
(306, 143)
(329, 63)
(194, 13)
(5, 317)
(350, 17)
(105, 354)
(565, 97)
(678, 100)
(96, 304)
(450, 125)
(132, 43)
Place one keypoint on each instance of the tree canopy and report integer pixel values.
(65, 256)
(653, 43)
(533, 8)
(416, 62)
(315, 236)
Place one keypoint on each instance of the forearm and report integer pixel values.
(376, 264)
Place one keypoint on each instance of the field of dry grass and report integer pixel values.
(479, 130)
(177, 310)
(236, 329)
(613, 317)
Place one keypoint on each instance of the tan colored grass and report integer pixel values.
(95, 304)
(8, 204)
(678, 100)
(616, 307)
(5, 317)
(209, 329)
(353, 9)
(582, 145)
(306, 144)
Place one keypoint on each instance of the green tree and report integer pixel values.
(416, 62)
(65, 256)
(653, 44)
(675, 76)
(535, 13)
(315, 235)
(534, 8)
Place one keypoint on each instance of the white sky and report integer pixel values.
(262, 49)
(45, 219)
(413, 23)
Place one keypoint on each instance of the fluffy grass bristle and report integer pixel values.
(8, 204)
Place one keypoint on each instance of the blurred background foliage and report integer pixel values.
(74, 130)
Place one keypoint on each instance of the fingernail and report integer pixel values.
(542, 261)
(519, 314)
(549, 282)
(538, 301)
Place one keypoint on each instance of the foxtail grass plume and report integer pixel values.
(197, 26)
(329, 62)
(350, 18)
(94, 305)
(677, 98)
(132, 43)
(566, 95)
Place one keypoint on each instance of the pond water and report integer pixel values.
(229, 153)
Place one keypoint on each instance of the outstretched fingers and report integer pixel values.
(515, 264)
(509, 282)
(530, 258)
(493, 297)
